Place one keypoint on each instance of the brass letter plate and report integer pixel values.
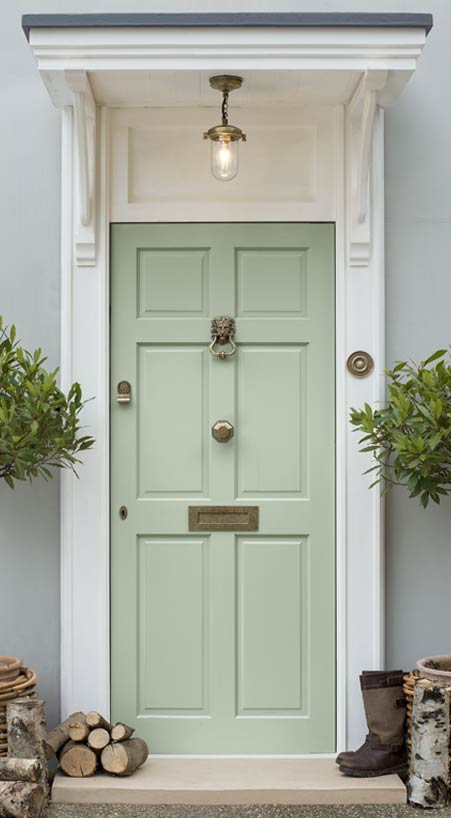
(223, 518)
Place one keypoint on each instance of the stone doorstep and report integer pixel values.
(191, 781)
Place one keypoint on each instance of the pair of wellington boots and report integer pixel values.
(384, 750)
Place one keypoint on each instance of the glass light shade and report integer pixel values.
(224, 159)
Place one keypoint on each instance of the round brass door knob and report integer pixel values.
(222, 431)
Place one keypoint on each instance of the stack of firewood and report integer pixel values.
(82, 743)
(85, 742)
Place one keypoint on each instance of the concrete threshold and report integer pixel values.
(175, 780)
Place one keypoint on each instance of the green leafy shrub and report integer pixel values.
(410, 437)
(39, 424)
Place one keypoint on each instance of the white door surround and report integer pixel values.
(315, 91)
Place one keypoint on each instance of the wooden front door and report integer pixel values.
(223, 641)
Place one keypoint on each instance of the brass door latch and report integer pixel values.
(124, 392)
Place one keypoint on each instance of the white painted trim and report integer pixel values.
(340, 444)
(146, 49)
(85, 653)
(390, 54)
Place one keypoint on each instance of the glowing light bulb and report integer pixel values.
(224, 159)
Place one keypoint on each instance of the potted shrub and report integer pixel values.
(410, 437)
(39, 424)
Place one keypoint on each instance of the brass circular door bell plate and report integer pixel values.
(360, 364)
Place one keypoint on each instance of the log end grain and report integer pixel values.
(77, 760)
(94, 719)
(121, 732)
(123, 758)
(98, 738)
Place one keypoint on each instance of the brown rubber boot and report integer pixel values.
(376, 674)
(384, 748)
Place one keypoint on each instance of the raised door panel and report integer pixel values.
(272, 627)
(173, 626)
(272, 421)
(171, 446)
(173, 281)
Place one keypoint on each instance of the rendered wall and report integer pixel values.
(418, 209)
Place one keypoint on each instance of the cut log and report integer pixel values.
(22, 800)
(121, 732)
(26, 725)
(124, 757)
(77, 760)
(94, 719)
(98, 738)
(78, 728)
(429, 757)
(60, 735)
(20, 769)
(26, 729)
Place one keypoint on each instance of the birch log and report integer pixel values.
(26, 729)
(22, 800)
(429, 757)
(60, 735)
(20, 769)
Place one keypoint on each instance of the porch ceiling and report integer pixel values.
(191, 89)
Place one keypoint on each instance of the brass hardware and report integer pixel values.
(124, 392)
(222, 332)
(360, 364)
(222, 431)
(226, 82)
(123, 512)
(225, 132)
(223, 518)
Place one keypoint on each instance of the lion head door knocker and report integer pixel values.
(222, 333)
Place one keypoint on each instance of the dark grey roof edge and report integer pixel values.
(258, 19)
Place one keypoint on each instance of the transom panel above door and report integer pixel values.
(223, 641)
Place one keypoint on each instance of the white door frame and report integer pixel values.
(384, 60)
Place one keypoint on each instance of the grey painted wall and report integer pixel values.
(418, 194)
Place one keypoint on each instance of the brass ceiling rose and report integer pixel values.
(226, 82)
(360, 364)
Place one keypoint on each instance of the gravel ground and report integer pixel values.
(130, 811)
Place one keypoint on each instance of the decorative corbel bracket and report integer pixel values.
(84, 107)
(361, 117)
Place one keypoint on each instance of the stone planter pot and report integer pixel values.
(10, 667)
(436, 667)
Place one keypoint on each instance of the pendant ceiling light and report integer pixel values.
(225, 138)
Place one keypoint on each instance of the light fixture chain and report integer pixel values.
(225, 108)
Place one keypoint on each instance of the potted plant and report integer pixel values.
(410, 437)
(39, 424)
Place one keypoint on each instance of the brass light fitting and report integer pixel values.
(225, 138)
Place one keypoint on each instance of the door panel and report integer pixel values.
(224, 642)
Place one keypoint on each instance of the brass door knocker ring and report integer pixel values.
(222, 333)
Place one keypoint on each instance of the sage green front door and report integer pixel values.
(223, 641)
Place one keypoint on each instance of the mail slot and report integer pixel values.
(223, 518)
